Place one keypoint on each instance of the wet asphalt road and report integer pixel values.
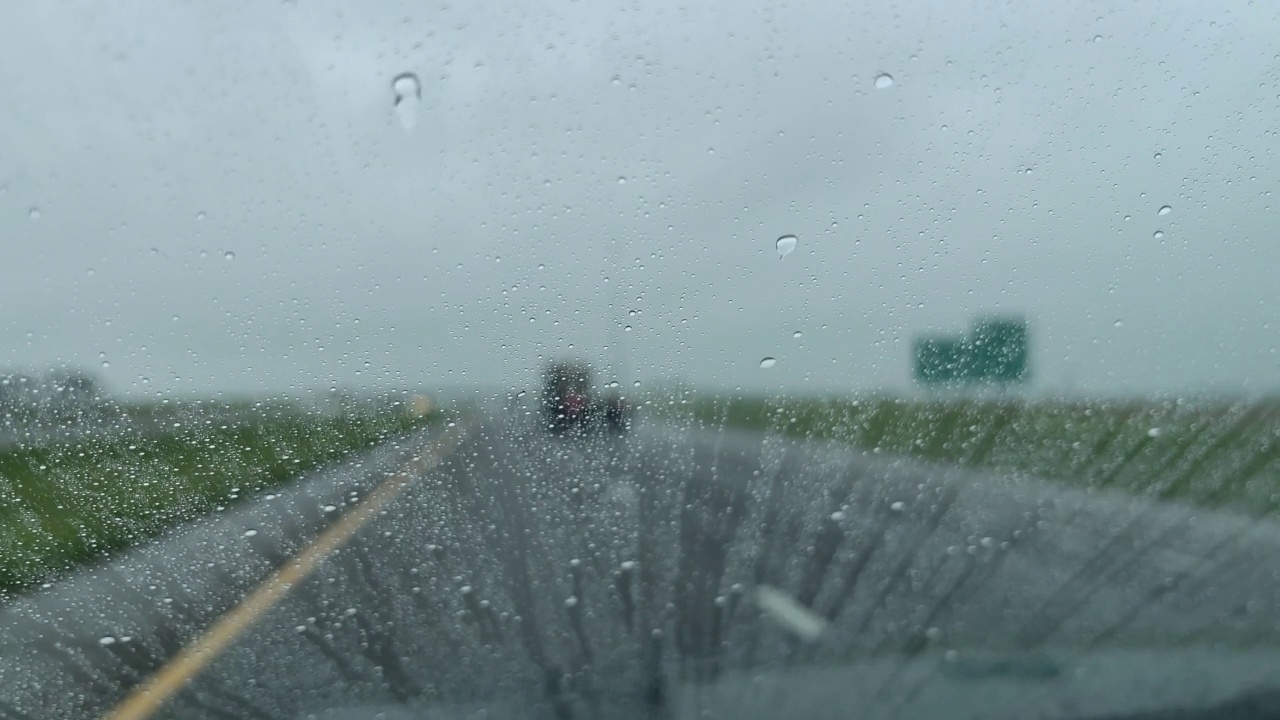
(531, 576)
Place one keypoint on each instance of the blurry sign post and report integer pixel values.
(994, 353)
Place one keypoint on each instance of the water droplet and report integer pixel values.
(622, 180)
(1158, 234)
(250, 533)
(1097, 38)
(230, 256)
(1164, 210)
(797, 334)
(34, 213)
(768, 363)
(1153, 432)
(884, 81)
(408, 92)
(329, 508)
(785, 245)
(1157, 156)
(898, 506)
(200, 216)
(1119, 323)
(106, 640)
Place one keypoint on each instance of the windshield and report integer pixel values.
(639, 360)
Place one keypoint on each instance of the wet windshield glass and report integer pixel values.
(660, 360)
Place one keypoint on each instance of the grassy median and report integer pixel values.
(1214, 454)
(69, 503)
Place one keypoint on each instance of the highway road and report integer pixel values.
(674, 572)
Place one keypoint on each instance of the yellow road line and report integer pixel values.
(166, 682)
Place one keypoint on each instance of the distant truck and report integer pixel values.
(568, 404)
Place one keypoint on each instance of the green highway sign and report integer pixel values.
(994, 352)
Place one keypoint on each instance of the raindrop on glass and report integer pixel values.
(768, 363)
(884, 81)
(785, 245)
(1158, 234)
(250, 533)
(229, 255)
(34, 213)
(200, 216)
(106, 640)
(1164, 210)
(408, 92)
(797, 334)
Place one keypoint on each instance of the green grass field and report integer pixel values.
(70, 503)
(1211, 454)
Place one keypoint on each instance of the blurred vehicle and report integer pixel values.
(568, 405)
(566, 397)
(617, 414)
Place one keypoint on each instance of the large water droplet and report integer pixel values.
(768, 363)
(408, 91)
(785, 245)
(229, 255)
(1158, 234)
(884, 81)
(797, 334)
(34, 213)
(1164, 210)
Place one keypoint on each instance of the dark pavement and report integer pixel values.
(531, 576)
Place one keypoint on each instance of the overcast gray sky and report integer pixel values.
(223, 197)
